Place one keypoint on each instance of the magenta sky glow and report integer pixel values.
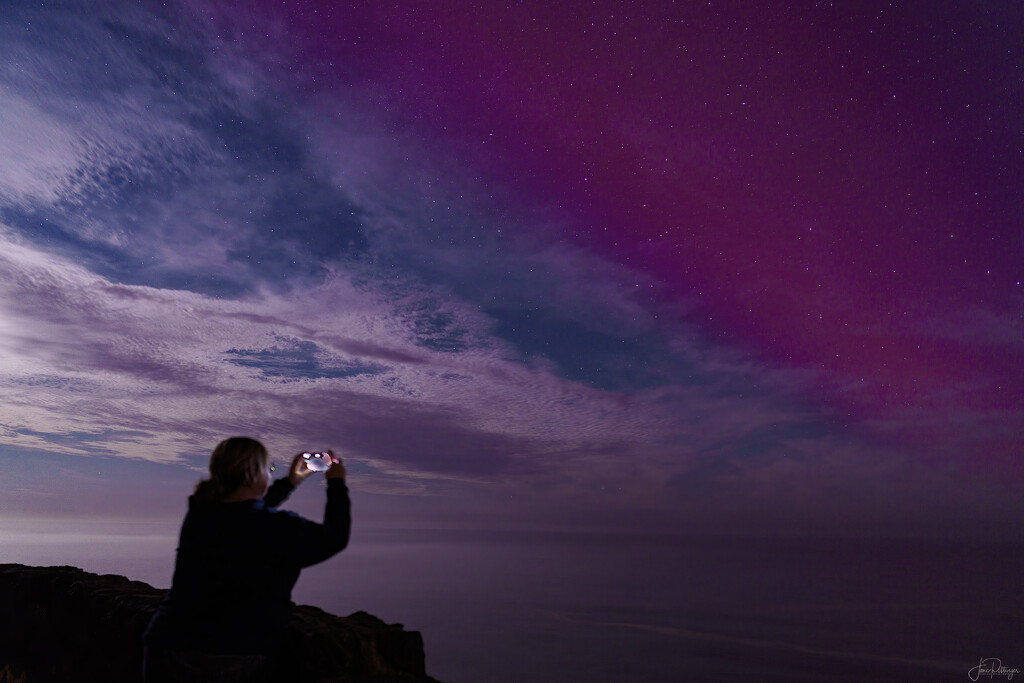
(707, 261)
(833, 189)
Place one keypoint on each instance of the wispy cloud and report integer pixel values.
(179, 369)
(186, 252)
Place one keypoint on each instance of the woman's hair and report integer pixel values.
(234, 463)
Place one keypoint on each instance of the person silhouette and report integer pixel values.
(238, 559)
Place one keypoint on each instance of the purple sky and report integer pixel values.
(676, 267)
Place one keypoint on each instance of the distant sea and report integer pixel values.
(513, 607)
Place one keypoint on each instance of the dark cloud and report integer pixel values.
(581, 353)
(296, 359)
(435, 328)
(89, 443)
(44, 226)
(356, 347)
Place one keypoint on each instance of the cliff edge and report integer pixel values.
(63, 624)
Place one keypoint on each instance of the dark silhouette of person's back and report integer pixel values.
(238, 560)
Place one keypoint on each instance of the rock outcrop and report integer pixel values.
(64, 625)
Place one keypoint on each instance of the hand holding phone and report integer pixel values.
(317, 461)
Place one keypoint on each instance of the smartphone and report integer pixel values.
(317, 462)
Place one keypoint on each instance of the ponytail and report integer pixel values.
(210, 489)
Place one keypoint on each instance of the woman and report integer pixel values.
(238, 559)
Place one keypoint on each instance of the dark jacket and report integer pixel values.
(236, 566)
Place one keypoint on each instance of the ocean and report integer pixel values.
(545, 606)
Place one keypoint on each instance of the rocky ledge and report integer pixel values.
(62, 624)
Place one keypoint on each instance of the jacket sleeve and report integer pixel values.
(304, 542)
(278, 492)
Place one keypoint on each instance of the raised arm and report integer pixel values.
(305, 542)
(278, 492)
(280, 489)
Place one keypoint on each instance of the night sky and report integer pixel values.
(724, 269)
